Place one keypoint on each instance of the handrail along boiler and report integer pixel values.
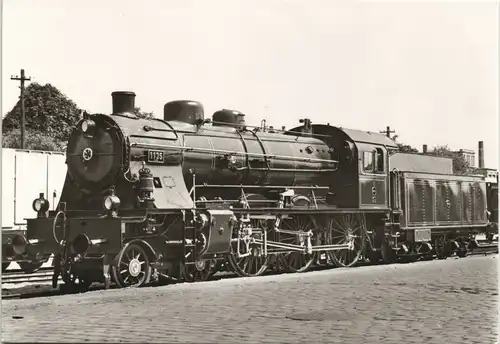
(183, 195)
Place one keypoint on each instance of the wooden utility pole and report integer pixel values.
(22, 79)
(388, 132)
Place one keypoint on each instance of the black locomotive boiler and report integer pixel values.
(175, 196)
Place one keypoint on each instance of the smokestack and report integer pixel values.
(123, 101)
(424, 149)
(481, 154)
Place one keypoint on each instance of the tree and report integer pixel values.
(48, 112)
(460, 165)
(143, 114)
(35, 140)
(402, 147)
(406, 148)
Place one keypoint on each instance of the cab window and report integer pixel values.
(368, 158)
(379, 154)
(373, 162)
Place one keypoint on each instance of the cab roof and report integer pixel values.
(369, 137)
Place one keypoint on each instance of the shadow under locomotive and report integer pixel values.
(186, 196)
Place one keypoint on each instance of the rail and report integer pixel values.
(19, 277)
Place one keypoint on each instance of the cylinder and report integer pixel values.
(123, 101)
(424, 149)
(481, 154)
(186, 111)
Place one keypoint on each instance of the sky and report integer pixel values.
(427, 69)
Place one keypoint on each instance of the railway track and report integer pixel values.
(44, 275)
(19, 277)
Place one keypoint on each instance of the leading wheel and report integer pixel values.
(200, 270)
(30, 267)
(132, 268)
(348, 229)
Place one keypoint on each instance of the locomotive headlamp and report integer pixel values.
(19, 244)
(41, 205)
(87, 125)
(111, 202)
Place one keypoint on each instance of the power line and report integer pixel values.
(22, 79)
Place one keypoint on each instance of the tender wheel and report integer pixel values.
(441, 248)
(201, 270)
(462, 250)
(29, 268)
(132, 267)
(5, 266)
(297, 261)
(387, 253)
(351, 229)
(254, 264)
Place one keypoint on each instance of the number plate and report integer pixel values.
(156, 157)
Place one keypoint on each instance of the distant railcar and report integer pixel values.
(24, 173)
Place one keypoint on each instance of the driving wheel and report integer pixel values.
(348, 229)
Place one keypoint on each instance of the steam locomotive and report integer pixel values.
(181, 196)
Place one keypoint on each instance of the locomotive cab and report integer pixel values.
(362, 177)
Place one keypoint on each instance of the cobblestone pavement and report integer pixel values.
(452, 301)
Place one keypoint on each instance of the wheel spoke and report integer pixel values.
(251, 265)
(297, 261)
(132, 260)
(352, 230)
(192, 274)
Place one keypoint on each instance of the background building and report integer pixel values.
(469, 156)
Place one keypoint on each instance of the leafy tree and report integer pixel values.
(35, 140)
(48, 112)
(406, 148)
(460, 165)
(143, 114)
(402, 147)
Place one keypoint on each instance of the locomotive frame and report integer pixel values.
(183, 199)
